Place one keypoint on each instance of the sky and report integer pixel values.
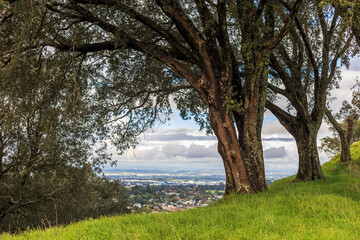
(179, 144)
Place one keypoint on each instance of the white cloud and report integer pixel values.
(178, 137)
(274, 152)
(344, 92)
(154, 153)
(274, 128)
(199, 151)
(355, 64)
(173, 150)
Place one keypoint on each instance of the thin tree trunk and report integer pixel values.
(345, 154)
(345, 136)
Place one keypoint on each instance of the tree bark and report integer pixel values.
(253, 158)
(1, 155)
(250, 128)
(242, 166)
(345, 136)
(305, 134)
(345, 154)
(309, 163)
(228, 148)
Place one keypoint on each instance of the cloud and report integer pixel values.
(355, 64)
(273, 152)
(153, 153)
(279, 139)
(171, 163)
(199, 151)
(178, 137)
(175, 130)
(347, 82)
(168, 151)
(173, 150)
(274, 128)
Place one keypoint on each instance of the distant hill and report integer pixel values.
(322, 209)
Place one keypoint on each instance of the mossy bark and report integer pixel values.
(309, 163)
(304, 130)
(239, 133)
(345, 154)
(346, 140)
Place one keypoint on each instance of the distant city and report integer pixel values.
(174, 190)
(138, 177)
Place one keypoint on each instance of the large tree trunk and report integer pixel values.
(305, 133)
(241, 164)
(309, 163)
(346, 138)
(1, 156)
(250, 131)
(239, 135)
(253, 158)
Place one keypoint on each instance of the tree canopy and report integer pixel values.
(215, 52)
(304, 66)
(344, 126)
(48, 158)
(133, 59)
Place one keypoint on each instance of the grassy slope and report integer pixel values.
(324, 209)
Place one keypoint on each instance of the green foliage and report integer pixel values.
(107, 197)
(322, 209)
(347, 120)
(130, 95)
(191, 107)
(48, 155)
(349, 11)
(231, 104)
(80, 194)
(330, 145)
(336, 166)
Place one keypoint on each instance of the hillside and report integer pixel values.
(325, 209)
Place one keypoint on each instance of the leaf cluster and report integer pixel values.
(49, 153)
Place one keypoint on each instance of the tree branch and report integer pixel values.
(333, 122)
(287, 120)
(336, 58)
(284, 30)
(188, 30)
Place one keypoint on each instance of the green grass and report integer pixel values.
(214, 191)
(324, 209)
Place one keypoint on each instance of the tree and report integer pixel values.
(349, 10)
(46, 146)
(306, 65)
(215, 53)
(345, 128)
